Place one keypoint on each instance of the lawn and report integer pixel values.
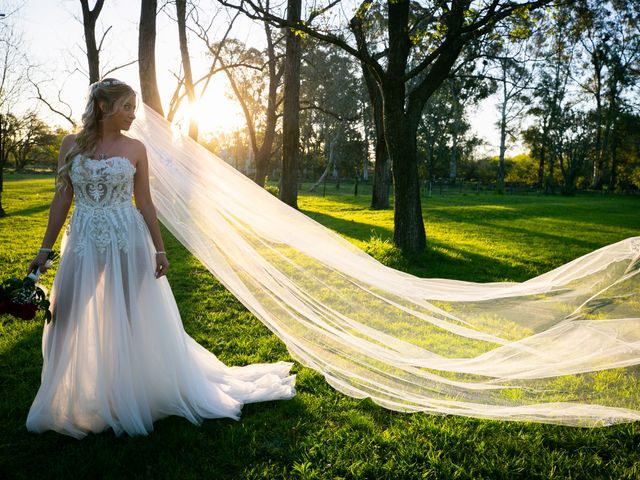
(322, 433)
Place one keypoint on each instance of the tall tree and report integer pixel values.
(28, 135)
(573, 149)
(514, 81)
(201, 27)
(331, 97)
(181, 10)
(254, 73)
(291, 118)
(89, 18)
(382, 162)
(610, 38)
(551, 93)
(147, 55)
(443, 139)
(419, 56)
(13, 74)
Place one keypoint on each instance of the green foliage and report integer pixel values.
(322, 433)
(635, 177)
(273, 190)
(521, 169)
(385, 252)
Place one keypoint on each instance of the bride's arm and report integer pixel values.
(57, 212)
(142, 195)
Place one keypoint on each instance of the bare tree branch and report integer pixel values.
(111, 70)
(307, 105)
(41, 98)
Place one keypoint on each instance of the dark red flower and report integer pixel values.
(28, 311)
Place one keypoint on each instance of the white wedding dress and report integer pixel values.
(116, 354)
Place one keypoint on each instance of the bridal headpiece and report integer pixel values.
(111, 82)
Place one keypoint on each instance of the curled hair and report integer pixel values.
(105, 98)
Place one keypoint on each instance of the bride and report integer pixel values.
(116, 354)
(562, 348)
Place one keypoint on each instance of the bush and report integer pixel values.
(385, 252)
(273, 190)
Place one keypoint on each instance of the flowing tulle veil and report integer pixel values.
(561, 348)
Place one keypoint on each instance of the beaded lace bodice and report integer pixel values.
(103, 210)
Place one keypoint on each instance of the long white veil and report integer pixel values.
(561, 348)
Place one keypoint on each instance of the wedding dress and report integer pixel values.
(562, 348)
(116, 354)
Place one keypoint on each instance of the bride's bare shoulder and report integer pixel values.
(67, 143)
(136, 149)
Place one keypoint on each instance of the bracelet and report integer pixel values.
(161, 253)
(46, 250)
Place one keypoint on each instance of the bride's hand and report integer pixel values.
(39, 262)
(162, 264)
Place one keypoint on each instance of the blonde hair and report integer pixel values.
(105, 98)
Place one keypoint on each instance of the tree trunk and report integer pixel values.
(382, 166)
(147, 55)
(3, 140)
(453, 157)
(89, 18)
(543, 145)
(264, 154)
(549, 186)
(291, 118)
(598, 162)
(330, 157)
(3, 213)
(400, 134)
(181, 10)
(613, 178)
(409, 234)
(503, 142)
(381, 176)
(262, 163)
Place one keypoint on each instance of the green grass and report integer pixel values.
(322, 433)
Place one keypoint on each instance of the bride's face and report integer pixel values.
(124, 115)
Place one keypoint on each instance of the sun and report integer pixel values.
(214, 111)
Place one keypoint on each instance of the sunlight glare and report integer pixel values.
(214, 112)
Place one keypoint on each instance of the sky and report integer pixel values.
(54, 41)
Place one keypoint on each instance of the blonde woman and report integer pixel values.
(116, 354)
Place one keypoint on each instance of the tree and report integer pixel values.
(610, 37)
(202, 30)
(331, 100)
(627, 137)
(30, 134)
(382, 163)
(419, 56)
(260, 71)
(443, 134)
(13, 74)
(551, 97)
(514, 81)
(181, 10)
(573, 149)
(147, 55)
(291, 118)
(89, 17)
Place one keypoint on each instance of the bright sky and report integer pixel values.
(54, 39)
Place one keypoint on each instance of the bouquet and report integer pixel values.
(23, 298)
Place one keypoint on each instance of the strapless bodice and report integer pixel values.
(104, 211)
(102, 183)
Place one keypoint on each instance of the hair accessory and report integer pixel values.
(110, 82)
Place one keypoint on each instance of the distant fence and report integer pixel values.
(442, 187)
